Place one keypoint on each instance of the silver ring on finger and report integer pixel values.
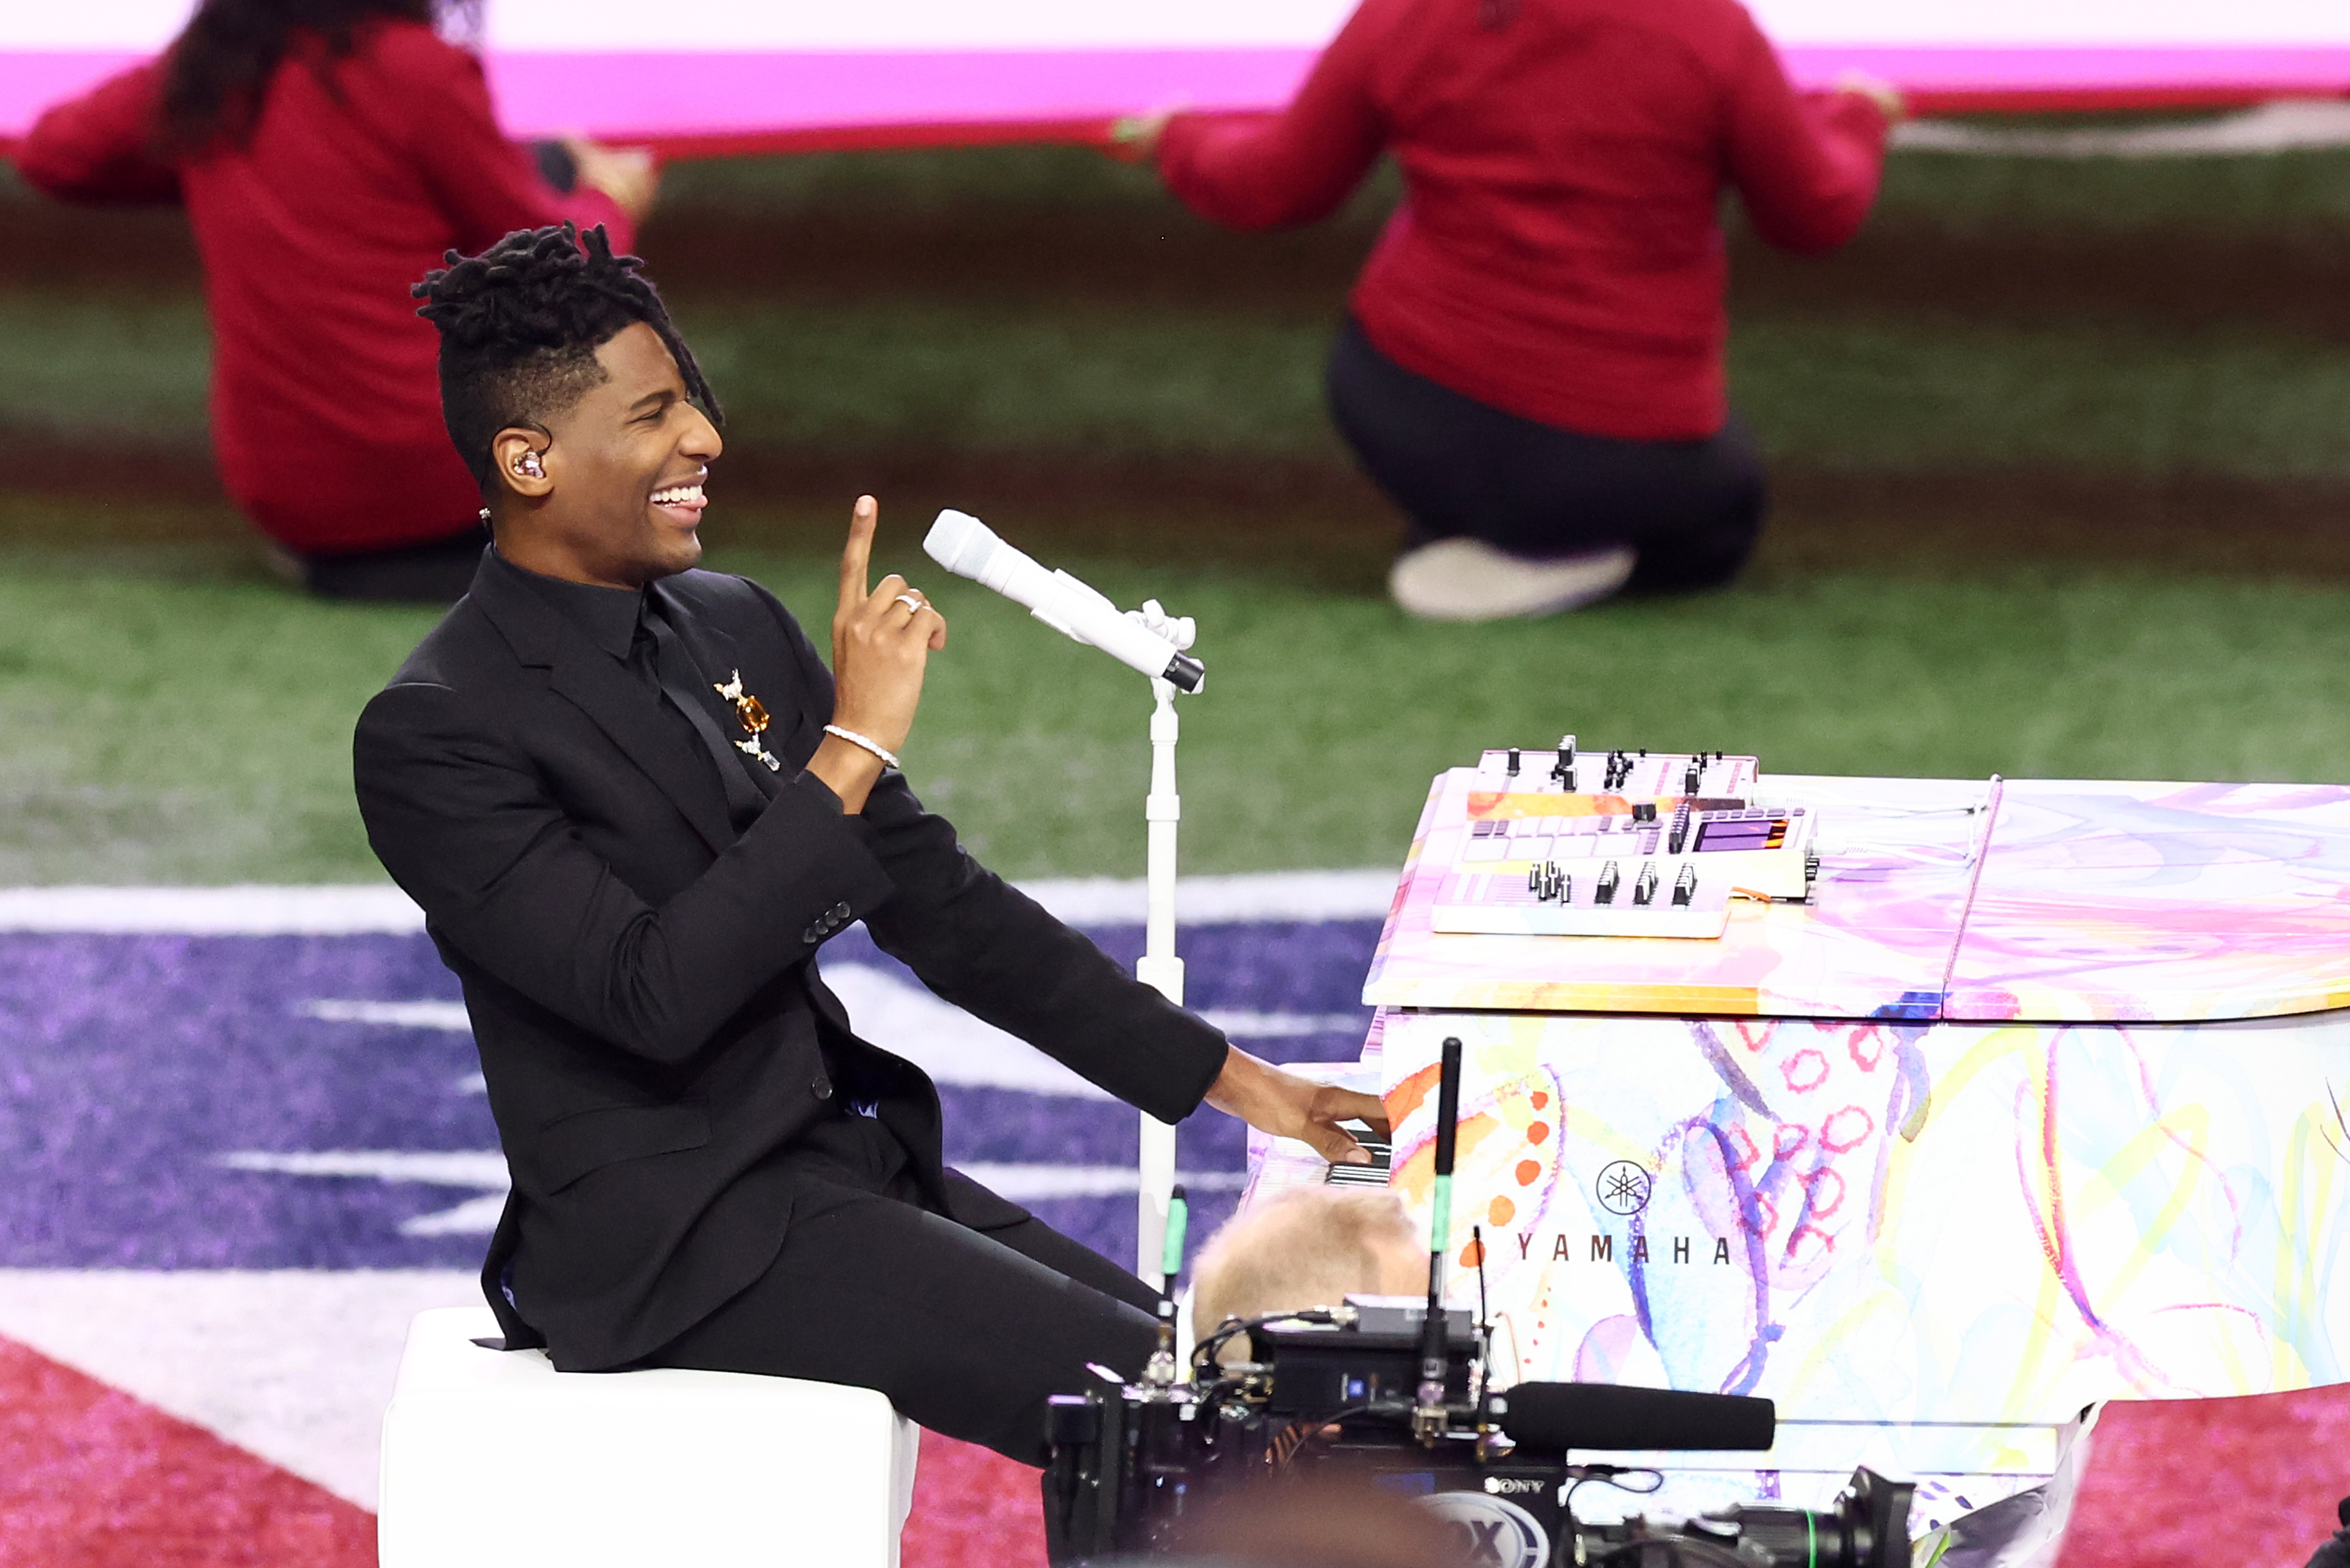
(912, 601)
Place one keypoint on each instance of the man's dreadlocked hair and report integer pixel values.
(520, 325)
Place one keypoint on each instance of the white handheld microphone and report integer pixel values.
(969, 548)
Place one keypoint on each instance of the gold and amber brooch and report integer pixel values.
(753, 715)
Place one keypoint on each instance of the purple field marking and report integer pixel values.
(131, 1064)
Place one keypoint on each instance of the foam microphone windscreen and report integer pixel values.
(961, 543)
(1608, 1416)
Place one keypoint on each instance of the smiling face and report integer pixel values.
(610, 492)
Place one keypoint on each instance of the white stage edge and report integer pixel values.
(256, 909)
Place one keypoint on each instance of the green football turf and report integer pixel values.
(2062, 458)
(1873, 361)
(177, 717)
(885, 376)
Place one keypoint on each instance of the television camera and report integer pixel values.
(1396, 1389)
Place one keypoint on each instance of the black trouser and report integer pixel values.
(967, 1332)
(1692, 509)
(438, 571)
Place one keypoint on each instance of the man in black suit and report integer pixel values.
(633, 803)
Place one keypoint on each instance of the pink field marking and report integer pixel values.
(733, 93)
(93, 1478)
(738, 101)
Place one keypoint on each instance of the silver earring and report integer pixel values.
(527, 465)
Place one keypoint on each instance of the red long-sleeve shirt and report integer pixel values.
(360, 174)
(1558, 253)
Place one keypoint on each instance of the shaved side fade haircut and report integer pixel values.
(520, 325)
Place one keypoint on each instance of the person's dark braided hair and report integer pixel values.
(219, 68)
(520, 325)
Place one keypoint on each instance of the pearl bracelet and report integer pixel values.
(889, 757)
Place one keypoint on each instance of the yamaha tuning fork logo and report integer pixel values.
(1623, 1187)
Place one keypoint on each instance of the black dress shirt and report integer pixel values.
(621, 621)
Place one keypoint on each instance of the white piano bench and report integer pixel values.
(491, 1459)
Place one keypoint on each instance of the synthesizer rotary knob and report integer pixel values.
(1563, 769)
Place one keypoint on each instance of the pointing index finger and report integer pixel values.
(857, 555)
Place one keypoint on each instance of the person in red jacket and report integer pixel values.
(1532, 366)
(328, 153)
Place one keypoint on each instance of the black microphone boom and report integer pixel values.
(1610, 1415)
(1429, 1415)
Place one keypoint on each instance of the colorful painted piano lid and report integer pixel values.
(1967, 900)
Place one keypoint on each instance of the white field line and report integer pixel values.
(1241, 1023)
(259, 911)
(243, 910)
(1033, 1183)
(293, 1365)
(483, 1167)
(950, 1045)
(448, 1016)
(2271, 128)
(485, 1170)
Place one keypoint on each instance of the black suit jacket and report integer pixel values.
(642, 980)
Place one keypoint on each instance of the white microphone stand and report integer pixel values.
(1159, 968)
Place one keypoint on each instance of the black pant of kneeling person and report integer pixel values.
(1508, 516)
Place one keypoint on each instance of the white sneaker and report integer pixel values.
(1468, 580)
